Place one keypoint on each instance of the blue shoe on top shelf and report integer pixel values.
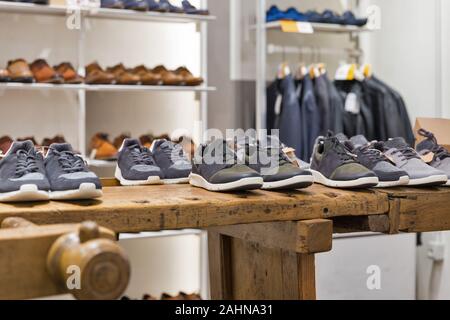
(112, 4)
(171, 7)
(138, 5)
(190, 9)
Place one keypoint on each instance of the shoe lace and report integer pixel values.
(407, 153)
(372, 154)
(26, 162)
(175, 153)
(439, 151)
(141, 155)
(341, 151)
(69, 161)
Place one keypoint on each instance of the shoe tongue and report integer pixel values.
(341, 137)
(161, 143)
(398, 142)
(61, 147)
(130, 142)
(359, 140)
(426, 144)
(26, 145)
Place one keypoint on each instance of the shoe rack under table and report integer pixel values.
(265, 235)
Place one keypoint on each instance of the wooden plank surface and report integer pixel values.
(419, 209)
(149, 208)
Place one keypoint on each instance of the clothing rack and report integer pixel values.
(261, 28)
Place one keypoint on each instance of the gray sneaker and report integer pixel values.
(374, 159)
(333, 165)
(215, 168)
(407, 159)
(440, 156)
(172, 160)
(267, 157)
(136, 165)
(69, 176)
(22, 174)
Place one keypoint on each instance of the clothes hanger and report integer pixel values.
(301, 71)
(283, 68)
(366, 70)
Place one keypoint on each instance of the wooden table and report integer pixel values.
(261, 244)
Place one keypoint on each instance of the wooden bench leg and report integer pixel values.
(267, 260)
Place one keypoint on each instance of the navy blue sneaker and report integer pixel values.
(112, 4)
(348, 18)
(190, 9)
(138, 5)
(69, 176)
(170, 7)
(157, 6)
(172, 160)
(22, 174)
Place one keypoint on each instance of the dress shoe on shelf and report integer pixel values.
(168, 77)
(19, 71)
(188, 77)
(43, 73)
(146, 140)
(123, 76)
(119, 140)
(147, 77)
(172, 8)
(138, 5)
(68, 73)
(4, 75)
(190, 9)
(101, 148)
(96, 75)
(5, 144)
(112, 4)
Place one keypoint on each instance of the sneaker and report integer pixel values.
(215, 169)
(333, 165)
(374, 159)
(69, 176)
(407, 159)
(136, 165)
(268, 158)
(22, 174)
(439, 156)
(172, 160)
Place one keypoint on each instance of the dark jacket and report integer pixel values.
(310, 115)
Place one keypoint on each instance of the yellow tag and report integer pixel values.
(428, 157)
(288, 26)
(297, 27)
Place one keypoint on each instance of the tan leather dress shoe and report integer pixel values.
(68, 73)
(123, 76)
(147, 76)
(19, 71)
(96, 75)
(43, 73)
(168, 77)
(188, 77)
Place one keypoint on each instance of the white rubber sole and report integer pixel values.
(176, 181)
(27, 192)
(85, 191)
(403, 181)
(358, 183)
(125, 182)
(242, 184)
(448, 183)
(429, 181)
(296, 182)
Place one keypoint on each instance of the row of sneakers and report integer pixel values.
(340, 162)
(216, 166)
(26, 175)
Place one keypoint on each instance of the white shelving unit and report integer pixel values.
(262, 49)
(114, 14)
(28, 9)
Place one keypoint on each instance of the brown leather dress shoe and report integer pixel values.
(123, 76)
(19, 71)
(68, 73)
(96, 75)
(188, 77)
(168, 77)
(102, 148)
(119, 140)
(146, 140)
(5, 144)
(43, 73)
(4, 75)
(193, 296)
(147, 76)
